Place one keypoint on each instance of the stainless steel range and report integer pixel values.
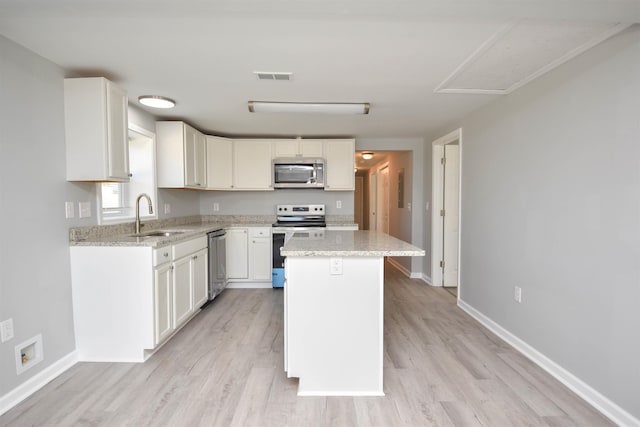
(294, 222)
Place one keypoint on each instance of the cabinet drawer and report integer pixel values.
(259, 231)
(161, 255)
(190, 246)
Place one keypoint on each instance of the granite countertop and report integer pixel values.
(350, 243)
(188, 228)
(186, 232)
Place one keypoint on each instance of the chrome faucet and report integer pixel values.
(138, 210)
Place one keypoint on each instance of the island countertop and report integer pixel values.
(350, 244)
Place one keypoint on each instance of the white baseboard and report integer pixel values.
(426, 279)
(600, 402)
(249, 285)
(36, 382)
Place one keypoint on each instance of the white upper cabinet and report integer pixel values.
(181, 156)
(339, 155)
(298, 148)
(252, 164)
(219, 163)
(96, 130)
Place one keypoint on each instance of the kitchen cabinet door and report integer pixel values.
(339, 173)
(219, 163)
(97, 146)
(200, 278)
(260, 258)
(195, 158)
(182, 291)
(252, 165)
(237, 254)
(162, 303)
(311, 148)
(285, 148)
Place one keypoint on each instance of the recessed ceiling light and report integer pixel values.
(367, 156)
(156, 101)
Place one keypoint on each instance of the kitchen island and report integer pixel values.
(334, 311)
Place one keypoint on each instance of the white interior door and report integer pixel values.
(359, 202)
(451, 218)
(373, 201)
(383, 200)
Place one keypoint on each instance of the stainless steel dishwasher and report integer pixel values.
(217, 263)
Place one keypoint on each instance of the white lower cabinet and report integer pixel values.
(129, 300)
(249, 254)
(182, 291)
(162, 291)
(260, 254)
(237, 254)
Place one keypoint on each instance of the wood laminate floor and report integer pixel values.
(225, 368)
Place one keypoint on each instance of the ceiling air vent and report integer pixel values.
(270, 75)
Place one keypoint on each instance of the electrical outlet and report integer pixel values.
(84, 209)
(517, 294)
(409, 207)
(339, 204)
(6, 330)
(336, 266)
(426, 206)
(69, 212)
(167, 208)
(216, 207)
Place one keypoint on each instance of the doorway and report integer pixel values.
(445, 243)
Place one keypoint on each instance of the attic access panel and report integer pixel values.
(521, 51)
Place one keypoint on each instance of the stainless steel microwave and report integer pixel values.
(298, 172)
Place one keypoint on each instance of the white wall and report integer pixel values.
(35, 288)
(551, 203)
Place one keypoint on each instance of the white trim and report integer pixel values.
(402, 269)
(437, 151)
(249, 285)
(426, 279)
(608, 408)
(36, 382)
(340, 393)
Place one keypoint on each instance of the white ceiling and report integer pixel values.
(390, 53)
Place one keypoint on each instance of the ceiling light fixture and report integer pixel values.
(156, 101)
(367, 156)
(309, 107)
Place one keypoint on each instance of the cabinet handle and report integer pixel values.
(166, 254)
(172, 267)
(195, 257)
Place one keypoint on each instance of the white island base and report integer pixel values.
(334, 324)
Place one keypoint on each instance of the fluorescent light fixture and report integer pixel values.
(367, 156)
(309, 107)
(156, 101)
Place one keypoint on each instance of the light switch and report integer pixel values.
(216, 207)
(84, 209)
(339, 204)
(167, 208)
(69, 210)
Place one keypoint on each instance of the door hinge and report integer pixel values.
(441, 264)
(443, 161)
(441, 212)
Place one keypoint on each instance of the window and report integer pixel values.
(117, 200)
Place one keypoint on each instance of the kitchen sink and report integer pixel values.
(158, 233)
